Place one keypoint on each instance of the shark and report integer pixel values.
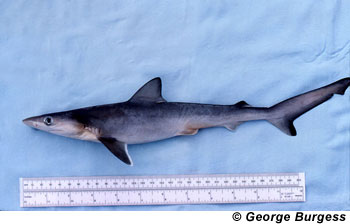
(148, 117)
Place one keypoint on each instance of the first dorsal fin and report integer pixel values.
(150, 92)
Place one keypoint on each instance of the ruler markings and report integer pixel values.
(155, 190)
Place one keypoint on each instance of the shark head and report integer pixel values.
(57, 123)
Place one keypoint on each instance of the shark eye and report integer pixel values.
(48, 120)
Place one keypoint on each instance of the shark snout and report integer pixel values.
(30, 122)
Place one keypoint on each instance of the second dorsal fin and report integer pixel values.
(149, 92)
(242, 104)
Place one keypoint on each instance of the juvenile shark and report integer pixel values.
(148, 117)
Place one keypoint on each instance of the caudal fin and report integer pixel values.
(283, 114)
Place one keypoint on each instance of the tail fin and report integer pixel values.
(284, 113)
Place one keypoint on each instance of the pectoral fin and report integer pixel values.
(119, 149)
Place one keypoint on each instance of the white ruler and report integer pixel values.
(159, 190)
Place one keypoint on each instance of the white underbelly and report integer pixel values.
(88, 136)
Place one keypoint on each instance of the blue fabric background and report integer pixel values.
(61, 55)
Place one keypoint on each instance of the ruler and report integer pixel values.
(161, 190)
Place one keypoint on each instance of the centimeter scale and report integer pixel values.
(160, 190)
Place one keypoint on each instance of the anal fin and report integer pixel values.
(233, 126)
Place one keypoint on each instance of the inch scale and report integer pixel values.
(160, 190)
